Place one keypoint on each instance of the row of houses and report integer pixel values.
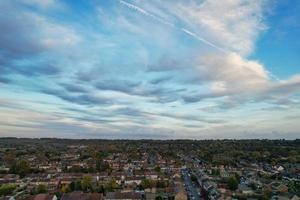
(207, 187)
(96, 196)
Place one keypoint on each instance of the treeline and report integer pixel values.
(214, 151)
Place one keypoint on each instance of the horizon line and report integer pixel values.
(61, 138)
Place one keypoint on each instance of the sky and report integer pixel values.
(137, 69)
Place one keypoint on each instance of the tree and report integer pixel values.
(237, 176)
(9, 158)
(72, 186)
(22, 168)
(86, 183)
(100, 189)
(194, 178)
(267, 194)
(65, 189)
(140, 188)
(111, 185)
(232, 183)
(58, 194)
(78, 185)
(158, 198)
(160, 184)
(91, 169)
(157, 168)
(98, 165)
(294, 186)
(102, 166)
(41, 188)
(253, 186)
(146, 183)
(215, 172)
(6, 189)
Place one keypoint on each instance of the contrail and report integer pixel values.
(146, 13)
(203, 40)
(188, 32)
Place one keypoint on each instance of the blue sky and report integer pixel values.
(150, 69)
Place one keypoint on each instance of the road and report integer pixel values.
(192, 191)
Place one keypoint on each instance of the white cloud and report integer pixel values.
(52, 34)
(232, 72)
(241, 80)
(233, 24)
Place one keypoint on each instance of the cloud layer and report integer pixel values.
(140, 69)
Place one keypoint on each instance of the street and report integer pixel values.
(192, 191)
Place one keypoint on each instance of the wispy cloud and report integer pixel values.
(165, 22)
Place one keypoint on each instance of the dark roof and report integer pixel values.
(41, 197)
(123, 195)
(82, 196)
